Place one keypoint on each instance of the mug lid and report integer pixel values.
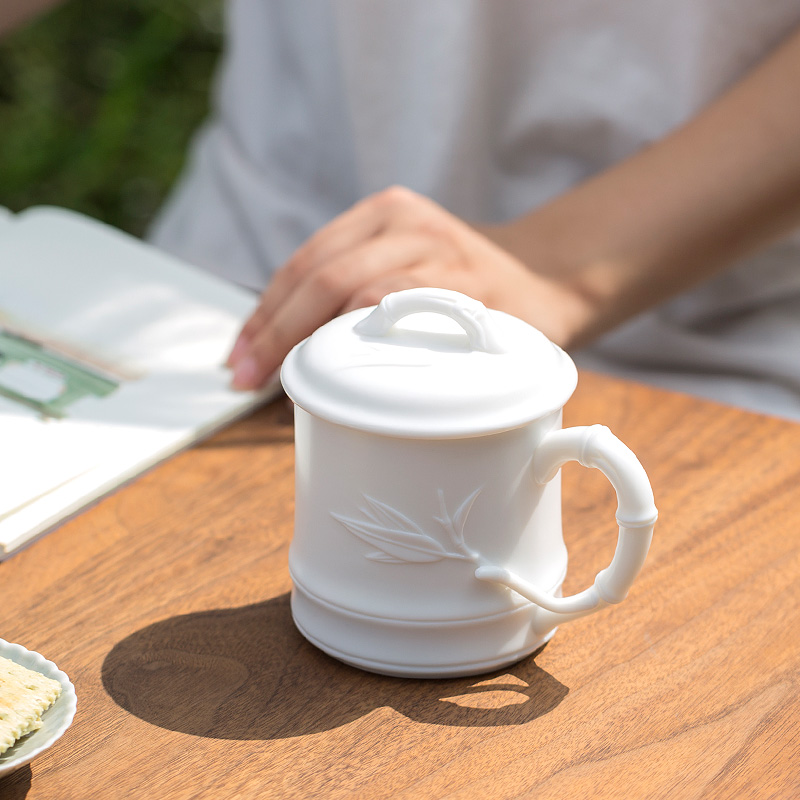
(428, 363)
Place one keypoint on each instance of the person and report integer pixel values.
(623, 176)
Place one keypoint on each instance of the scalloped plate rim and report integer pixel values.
(29, 747)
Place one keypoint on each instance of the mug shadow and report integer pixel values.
(246, 673)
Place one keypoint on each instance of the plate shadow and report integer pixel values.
(16, 785)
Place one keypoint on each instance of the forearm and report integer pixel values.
(678, 211)
(14, 13)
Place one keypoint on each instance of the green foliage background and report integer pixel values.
(98, 102)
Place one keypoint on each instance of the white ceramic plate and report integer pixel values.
(55, 720)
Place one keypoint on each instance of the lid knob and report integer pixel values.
(470, 314)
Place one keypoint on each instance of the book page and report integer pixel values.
(111, 358)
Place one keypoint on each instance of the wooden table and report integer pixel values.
(167, 604)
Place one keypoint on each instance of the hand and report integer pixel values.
(390, 241)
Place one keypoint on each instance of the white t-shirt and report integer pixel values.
(491, 108)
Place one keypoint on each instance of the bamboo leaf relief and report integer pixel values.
(385, 558)
(460, 517)
(380, 513)
(400, 540)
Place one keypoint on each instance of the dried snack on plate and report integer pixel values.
(24, 696)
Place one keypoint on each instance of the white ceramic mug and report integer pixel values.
(428, 442)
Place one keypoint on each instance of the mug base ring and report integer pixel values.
(443, 671)
(414, 648)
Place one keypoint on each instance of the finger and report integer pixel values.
(347, 231)
(393, 209)
(319, 298)
(240, 347)
(255, 322)
(302, 313)
(429, 272)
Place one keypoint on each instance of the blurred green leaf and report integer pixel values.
(98, 102)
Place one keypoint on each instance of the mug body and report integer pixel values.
(390, 530)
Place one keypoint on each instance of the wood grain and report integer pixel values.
(167, 605)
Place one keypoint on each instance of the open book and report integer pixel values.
(111, 358)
